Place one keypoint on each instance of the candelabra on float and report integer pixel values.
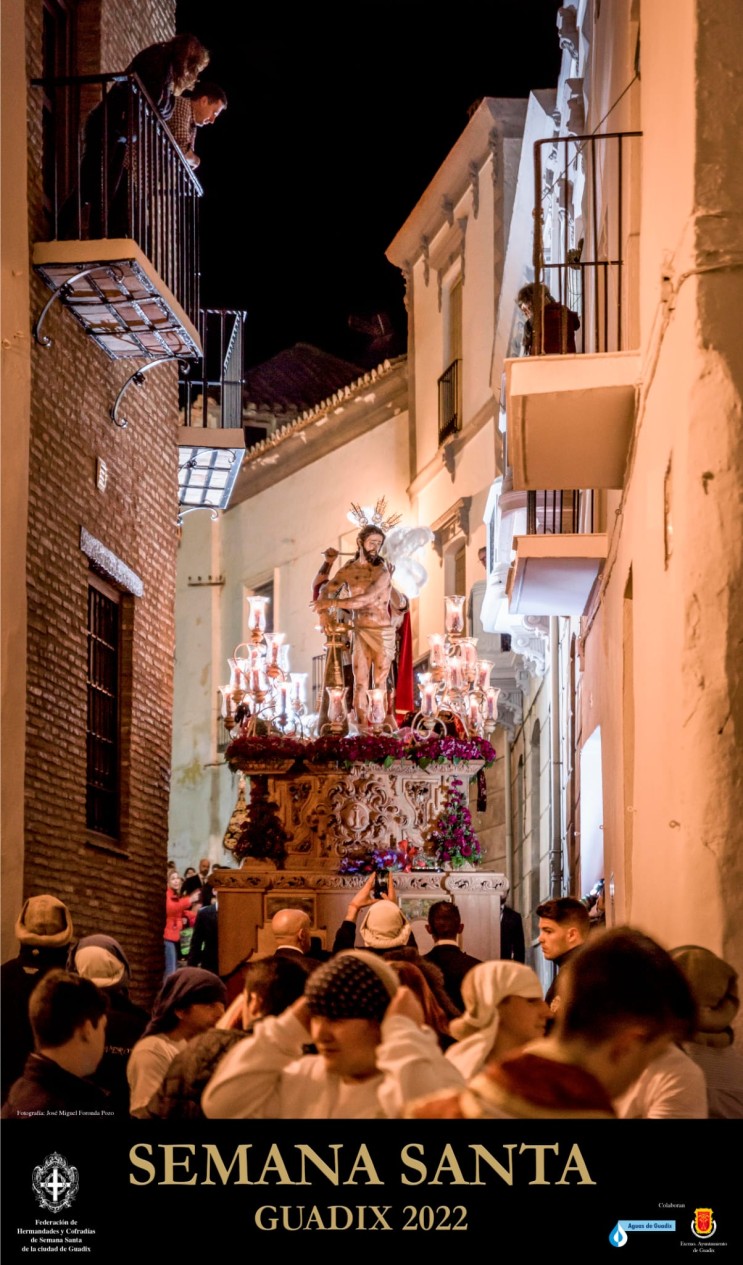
(457, 683)
(262, 694)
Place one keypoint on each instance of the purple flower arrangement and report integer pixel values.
(383, 749)
(453, 840)
(405, 856)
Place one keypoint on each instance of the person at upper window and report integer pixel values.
(557, 323)
(202, 108)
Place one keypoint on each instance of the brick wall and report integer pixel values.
(119, 888)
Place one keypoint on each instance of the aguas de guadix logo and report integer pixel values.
(703, 1225)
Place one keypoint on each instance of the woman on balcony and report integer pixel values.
(165, 70)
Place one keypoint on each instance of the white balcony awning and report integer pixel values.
(121, 301)
(209, 461)
(554, 574)
(570, 419)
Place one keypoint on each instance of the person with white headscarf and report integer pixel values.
(504, 1009)
(102, 960)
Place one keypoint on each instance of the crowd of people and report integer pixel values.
(371, 1028)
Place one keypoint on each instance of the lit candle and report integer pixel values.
(454, 614)
(284, 692)
(428, 699)
(469, 651)
(299, 688)
(437, 653)
(257, 616)
(336, 703)
(237, 679)
(484, 668)
(274, 641)
(474, 709)
(491, 703)
(376, 706)
(455, 673)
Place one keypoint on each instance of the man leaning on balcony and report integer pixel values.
(201, 109)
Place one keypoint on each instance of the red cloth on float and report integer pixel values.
(404, 693)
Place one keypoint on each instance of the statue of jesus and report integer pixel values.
(363, 588)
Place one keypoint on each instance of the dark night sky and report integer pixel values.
(335, 126)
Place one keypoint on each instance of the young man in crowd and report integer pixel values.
(564, 924)
(68, 1021)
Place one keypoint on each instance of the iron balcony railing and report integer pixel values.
(584, 219)
(556, 513)
(450, 401)
(212, 391)
(120, 174)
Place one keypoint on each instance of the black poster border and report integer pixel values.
(525, 1185)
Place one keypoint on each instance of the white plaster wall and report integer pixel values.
(431, 355)
(478, 294)
(203, 790)
(518, 250)
(475, 470)
(429, 362)
(675, 849)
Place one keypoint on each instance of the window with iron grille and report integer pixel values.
(102, 777)
(450, 382)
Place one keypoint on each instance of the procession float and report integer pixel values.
(369, 781)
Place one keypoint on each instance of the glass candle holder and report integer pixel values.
(428, 698)
(490, 704)
(454, 614)
(274, 642)
(336, 703)
(237, 676)
(257, 613)
(377, 706)
(437, 651)
(299, 688)
(455, 673)
(484, 668)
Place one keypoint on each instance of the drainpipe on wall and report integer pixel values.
(555, 863)
(508, 808)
